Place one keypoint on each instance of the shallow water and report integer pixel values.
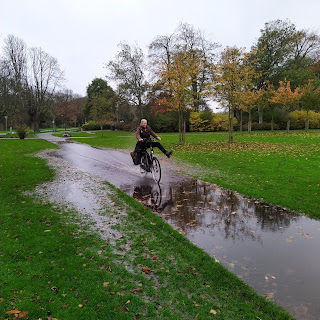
(275, 251)
(272, 249)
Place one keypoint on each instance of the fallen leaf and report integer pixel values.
(146, 270)
(15, 311)
(269, 296)
(214, 312)
(105, 284)
(80, 305)
(136, 290)
(127, 302)
(155, 258)
(290, 239)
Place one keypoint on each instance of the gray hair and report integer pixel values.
(143, 120)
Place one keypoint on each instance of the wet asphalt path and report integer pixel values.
(275, 251)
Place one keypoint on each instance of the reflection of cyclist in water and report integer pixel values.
(143, 132)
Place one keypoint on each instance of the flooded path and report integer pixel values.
(273, 250)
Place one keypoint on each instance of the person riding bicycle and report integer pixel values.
(143, 132)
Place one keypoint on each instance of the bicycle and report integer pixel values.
(150, 163)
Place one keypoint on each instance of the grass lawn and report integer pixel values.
(282, 169)
(52, 264)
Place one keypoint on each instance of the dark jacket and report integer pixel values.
(143, 133)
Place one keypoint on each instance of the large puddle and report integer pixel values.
(274, 250)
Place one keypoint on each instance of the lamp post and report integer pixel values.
(62, 120)
(6, 117)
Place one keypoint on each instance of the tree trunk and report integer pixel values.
(307, 122)
(288, 126)
(272, 121)
(180, 126)
(249, 122)
(101, 127)
(260, 112)
(36, 127)
(230, 126)
(241, 121)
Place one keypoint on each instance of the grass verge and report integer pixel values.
(52, 264)
(281, 168)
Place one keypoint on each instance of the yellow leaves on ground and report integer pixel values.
(213, 312)
(17, 314)
(265, 149)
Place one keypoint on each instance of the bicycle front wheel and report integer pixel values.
(156, 170)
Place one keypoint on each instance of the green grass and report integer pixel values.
(281, 168)
(51, 263)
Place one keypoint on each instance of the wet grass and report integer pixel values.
(53, 265)
(281, 168)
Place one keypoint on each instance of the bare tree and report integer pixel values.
(13, 71)
(44, 79)
(128, 70)
(29, 78)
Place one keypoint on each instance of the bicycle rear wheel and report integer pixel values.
(156, 170)
(144, 164)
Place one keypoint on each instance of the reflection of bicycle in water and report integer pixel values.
(149, 195)
(149, 163)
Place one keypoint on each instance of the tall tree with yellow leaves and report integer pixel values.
(286, 97)
(248, 102)
(234, 74)
(176, 78)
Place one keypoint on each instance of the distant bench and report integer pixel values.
(66, 134)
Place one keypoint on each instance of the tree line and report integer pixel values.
(182, 74)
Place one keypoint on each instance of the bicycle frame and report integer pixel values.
(149, 163)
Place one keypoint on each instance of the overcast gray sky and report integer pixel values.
(83, 35)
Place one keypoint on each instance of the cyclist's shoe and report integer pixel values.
(169, 153)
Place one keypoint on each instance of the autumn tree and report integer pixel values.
(282, 52)
(234, 75)
(248, 102)
(68, 107)
(310, 99)
(286, 97)
(128, 70)
(187, 38)
(176, 79)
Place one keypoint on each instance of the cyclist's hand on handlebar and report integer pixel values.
(158, 138)
(140, 139)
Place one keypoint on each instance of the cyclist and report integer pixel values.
(143, 132)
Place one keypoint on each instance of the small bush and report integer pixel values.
(93, 125)
(125, 126)
(22, 131)
(298, 119)
(220, 122)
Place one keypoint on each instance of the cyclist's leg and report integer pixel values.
(137, 152)
(159, 145)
